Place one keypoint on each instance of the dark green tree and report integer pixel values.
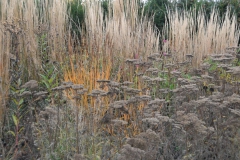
(157, 9)
(234, 5)
(76, 14)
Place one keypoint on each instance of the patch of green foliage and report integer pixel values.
(50, 71)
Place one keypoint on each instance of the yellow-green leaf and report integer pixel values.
(20, 102)
(15, 120)
(21, 130)
(11, 132)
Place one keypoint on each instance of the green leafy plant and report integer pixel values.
(17, 113)
(49, 79)
(49, 75)
(213, 65)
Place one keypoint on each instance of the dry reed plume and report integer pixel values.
(191, 32)
(22, 23)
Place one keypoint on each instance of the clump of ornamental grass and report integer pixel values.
(101, 37)
(23, 24)
(192, 33)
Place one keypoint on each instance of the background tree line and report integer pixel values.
(158, 8)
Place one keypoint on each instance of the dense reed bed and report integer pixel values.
(191, 32)
(23, 24)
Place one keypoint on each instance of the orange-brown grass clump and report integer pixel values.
(107, 42)
(191, 32)
(120, 35)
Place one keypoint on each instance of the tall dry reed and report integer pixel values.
(189, 32)
(124, 33)
(22, 23)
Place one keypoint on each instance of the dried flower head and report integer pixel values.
(144, 98)
(176, 73)
(96, 92)
(132, 100)
(59, 88)
(118, 122)
(41, 94)
(77, 86)
(69, 83)
(106, 118)
(127, 83)
(207, 77)
(140, 74)
(79, 157)
(83, 91)
(234, 70)
(169, 65)
(189, 55)
(235, 111)
(143, 64)
(137, 143)
(26, 94)
(32, 84)
(205, 66)
(77, 97)
(154, 56)
(191, 119)
(228, 55)
(132, 91)
(130, 61)
(151, 70)
(224, 66)
(158, 79)
(113, 84)
(146, 78)
(103, 81)
(156, 102)
(120, 103)
(164, 119)
(216, 56)
(128, 152)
